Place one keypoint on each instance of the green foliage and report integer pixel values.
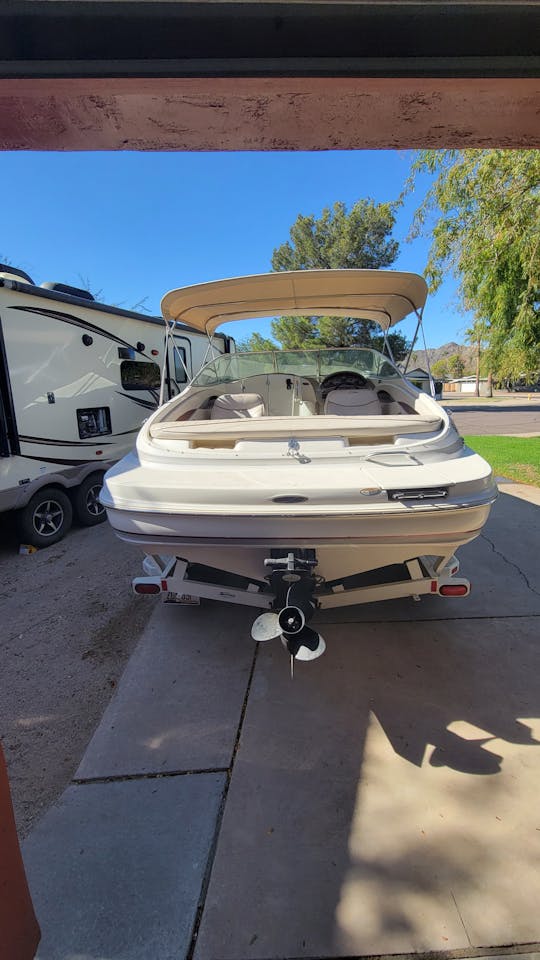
(340, 240)
(487, 231)
(399, 345)
(295, 333)
(255, 344)
(360, 238)
(301, 333)
(439, 369)
(456, 366)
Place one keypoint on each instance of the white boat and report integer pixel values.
(292, 480)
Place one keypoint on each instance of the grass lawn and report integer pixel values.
(517, 458)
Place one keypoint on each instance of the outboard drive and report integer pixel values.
(293, 583)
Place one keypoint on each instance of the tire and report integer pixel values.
(86, 505)
(46, 518)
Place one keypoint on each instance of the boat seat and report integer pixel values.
(232, 406)
(352, 403)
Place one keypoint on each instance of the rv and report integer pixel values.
(77, 379)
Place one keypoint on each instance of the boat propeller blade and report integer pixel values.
(307, 644)
(302, 642)
(266, 627)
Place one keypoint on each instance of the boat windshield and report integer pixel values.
(301, 363)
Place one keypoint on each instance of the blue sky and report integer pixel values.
(134, 225)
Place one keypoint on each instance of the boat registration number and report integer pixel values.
(186, 598)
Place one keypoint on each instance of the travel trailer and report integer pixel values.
(77, 380)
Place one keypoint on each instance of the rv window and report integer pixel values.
(94, 422)
(180, 374)
(139, 375)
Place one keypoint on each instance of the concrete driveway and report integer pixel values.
(382, 802)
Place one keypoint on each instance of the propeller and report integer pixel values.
(305, 645)
(266, 627)
(301, 641)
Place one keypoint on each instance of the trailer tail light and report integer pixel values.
(147, 588)
(454, 589)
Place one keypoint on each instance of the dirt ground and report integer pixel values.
(68, 623)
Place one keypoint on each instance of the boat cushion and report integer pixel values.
(353, 403)
(381, 428)
(230, 406)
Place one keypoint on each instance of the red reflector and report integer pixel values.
(434, 586)
(147, 588)
(453, 590)
(164, 585)
(154, 353)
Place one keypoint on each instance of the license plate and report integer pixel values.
(186, 598)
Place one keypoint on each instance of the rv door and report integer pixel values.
(179, 370)
(9, 440)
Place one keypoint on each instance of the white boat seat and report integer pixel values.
(352, 403)
(232, 406)
(381, 427)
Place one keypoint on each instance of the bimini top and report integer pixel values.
(385, 296)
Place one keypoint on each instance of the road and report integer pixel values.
(504, 418)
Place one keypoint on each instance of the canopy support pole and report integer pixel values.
(420, 326)
(169, 327)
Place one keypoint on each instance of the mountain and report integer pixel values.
(452, 349)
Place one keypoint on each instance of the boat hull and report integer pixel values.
(345, 544)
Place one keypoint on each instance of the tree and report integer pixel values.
(439, 369)
(476, 336)
(295, 333)
(456, 366)
(398, 343)
(487, 231)
(360, 238)
(255, 344)
(300, 333)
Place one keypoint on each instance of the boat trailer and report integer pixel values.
(292, 592)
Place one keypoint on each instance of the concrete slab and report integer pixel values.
(502, 565)
(179, 701)
(116, 869)
(522, 490)
(383, 801)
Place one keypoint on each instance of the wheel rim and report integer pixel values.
(93, 506)
(48, 518)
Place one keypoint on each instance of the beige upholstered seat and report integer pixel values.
(230, 406)
(352, 403)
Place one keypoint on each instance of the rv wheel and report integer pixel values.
(88, 509)
(46, 518)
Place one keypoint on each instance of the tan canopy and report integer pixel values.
(386, 296)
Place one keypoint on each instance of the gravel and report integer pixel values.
(69, 622)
